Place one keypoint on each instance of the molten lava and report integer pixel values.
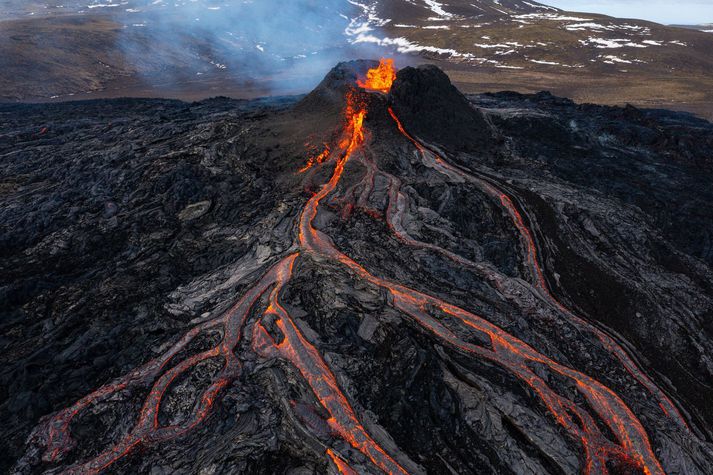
(667, 406)
(379, 78)
(316, 159)
(341, 465)
(581, 415)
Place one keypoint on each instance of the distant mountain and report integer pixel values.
(707, 27)
(527, 35)
(54, 50)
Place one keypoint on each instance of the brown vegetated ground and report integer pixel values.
(69, 57)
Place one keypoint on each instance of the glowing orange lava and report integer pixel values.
(379, 78)
(579, 415)
(155, 376)
(316, 159)
(295, 348)
(616, 350)
(634, 446)
(341, 465)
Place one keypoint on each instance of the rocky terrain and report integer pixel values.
(55, 50)
(371, 278)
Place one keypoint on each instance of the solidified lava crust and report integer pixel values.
(383, 276)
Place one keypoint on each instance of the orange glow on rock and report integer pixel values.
(316, 159)
(633, 443)
(379, 78)
(630, 446)
(306, 358)
(341, 465)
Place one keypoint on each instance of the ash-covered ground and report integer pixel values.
(356, 282)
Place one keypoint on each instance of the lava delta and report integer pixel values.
(382, 276)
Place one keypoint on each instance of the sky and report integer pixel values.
(686, 12)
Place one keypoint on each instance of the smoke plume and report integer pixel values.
(279, 45)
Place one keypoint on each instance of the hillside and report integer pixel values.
(381, 276)
(57, 50)
(527, 47)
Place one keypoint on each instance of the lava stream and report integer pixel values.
(342, 466)
(508, 351)
(306, 358)
(540, 283)
(147, 428)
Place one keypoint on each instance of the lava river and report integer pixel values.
(608, 431)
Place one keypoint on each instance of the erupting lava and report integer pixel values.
(379, 78)
(582, 412)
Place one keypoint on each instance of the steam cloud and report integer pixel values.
(280, 45)
(197, 46)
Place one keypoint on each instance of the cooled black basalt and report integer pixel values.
(128, 222)
(432, 108)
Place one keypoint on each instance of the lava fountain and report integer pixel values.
(379, 78)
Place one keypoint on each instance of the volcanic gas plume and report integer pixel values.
(613, 421)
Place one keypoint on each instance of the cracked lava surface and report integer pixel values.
(610, 436)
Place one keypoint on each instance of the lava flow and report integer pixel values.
(538, 276)
(316, 159)
(305, 357)
(633, 444)
(581, 411)
(154, 375)
(341, 465)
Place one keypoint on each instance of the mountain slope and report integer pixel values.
(356, 282)
(203, 48)
(523, 36)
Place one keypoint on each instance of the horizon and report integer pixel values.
(687, 12)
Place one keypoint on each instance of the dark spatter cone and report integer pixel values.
(433, 109)
(177, 297)
(332, 92)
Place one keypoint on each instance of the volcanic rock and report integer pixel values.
(430, 106)
(331, 93)
(183, 294)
